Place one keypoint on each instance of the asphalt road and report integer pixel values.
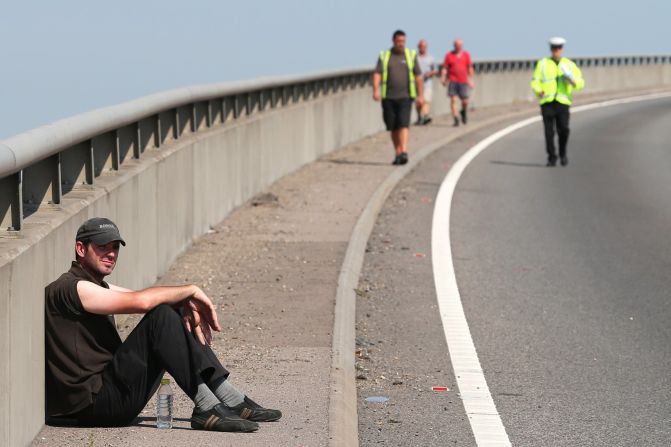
(564, 274)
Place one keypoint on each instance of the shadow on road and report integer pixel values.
(518, 164)
(351, 162)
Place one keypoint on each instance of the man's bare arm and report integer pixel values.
(377, 78)
(419, 82)
(119, 288)
(99, 300)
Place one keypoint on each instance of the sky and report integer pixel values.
(60, 58)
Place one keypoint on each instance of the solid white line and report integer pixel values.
(485, 421)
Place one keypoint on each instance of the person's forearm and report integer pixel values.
(376, 82)
(153, 296)
(420, 87)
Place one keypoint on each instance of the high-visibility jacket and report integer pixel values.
(410, 56)
(550, 79)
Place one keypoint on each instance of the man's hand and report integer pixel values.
(471, 83)
(419, 101)
(376, 95)
(200, 316)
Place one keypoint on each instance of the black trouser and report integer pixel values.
(555, 113)
(159, 343)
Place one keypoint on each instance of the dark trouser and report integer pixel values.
(555, 113)
(396, 112)
(159, 343)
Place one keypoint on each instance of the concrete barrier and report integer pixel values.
(185, 166)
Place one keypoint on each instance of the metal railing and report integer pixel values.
(40, 166)
(499, 65)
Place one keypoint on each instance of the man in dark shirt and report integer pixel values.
(93, 378)
(397, 81)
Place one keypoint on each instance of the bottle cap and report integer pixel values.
(165, 381)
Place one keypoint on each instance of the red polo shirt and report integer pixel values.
(458, 66)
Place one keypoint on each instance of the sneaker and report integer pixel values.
(464, 118)
(221, 418)
(252, 411)
(420, 121)
(403, 158)
(397, 160)
(563, 161)
(427, 120)
(551, 162)
(456, 122)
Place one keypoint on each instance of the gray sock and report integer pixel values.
(228, 394)
(205, 399)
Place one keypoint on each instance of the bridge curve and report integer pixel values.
(168, 166)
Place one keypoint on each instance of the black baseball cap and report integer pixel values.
(100, 231)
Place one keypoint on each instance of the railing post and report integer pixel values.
(209, 114)
(158, 131)
(273, 98)
(116, 153)
(12, 190)
(90, 165)
(57, 180)
(236, 106)
(17, 206)
(138, 140)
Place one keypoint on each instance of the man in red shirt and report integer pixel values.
(458, 71)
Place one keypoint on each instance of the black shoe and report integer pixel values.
(221, 418)
(427, 120)
(464, 118)
(397, 160)
(551, 162)
(403, 158)
(563, 161)
(252, 411)
(420, 121)
(456, 122)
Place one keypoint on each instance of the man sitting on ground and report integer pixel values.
(95, 379)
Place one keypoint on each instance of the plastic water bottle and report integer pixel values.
(164, 405)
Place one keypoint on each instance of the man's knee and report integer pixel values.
(163, 312)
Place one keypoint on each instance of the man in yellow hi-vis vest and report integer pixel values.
(554, 80)
(397, 81)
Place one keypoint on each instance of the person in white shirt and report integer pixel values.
(428, 65)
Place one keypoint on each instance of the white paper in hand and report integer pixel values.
(566, 71)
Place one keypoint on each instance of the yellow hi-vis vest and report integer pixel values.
(410, 62)
(549, 79)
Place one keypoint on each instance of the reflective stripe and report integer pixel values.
(384, 57)
(410, 61)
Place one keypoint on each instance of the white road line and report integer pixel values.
(485, 421)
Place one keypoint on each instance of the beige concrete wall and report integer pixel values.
(172, 195)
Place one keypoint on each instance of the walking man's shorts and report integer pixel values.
(396, 112)
(459, 89)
